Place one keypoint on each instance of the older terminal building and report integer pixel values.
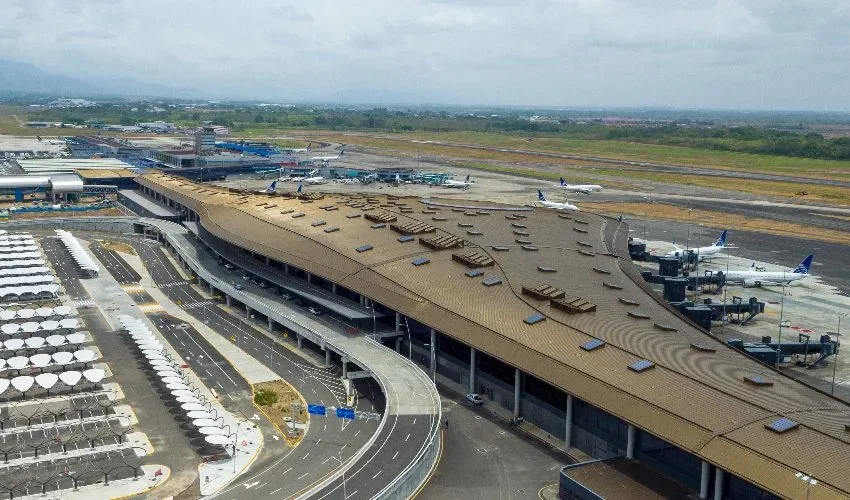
(543, 314)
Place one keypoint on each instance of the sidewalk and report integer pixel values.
(253, 371)
(113, 302)
(121, 488)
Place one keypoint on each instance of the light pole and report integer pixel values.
(339, 459)
(781, 313)
(835, 361)
(235, 439)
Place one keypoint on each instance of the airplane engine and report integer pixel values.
(752, 284)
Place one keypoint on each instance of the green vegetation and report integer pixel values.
(265, 398)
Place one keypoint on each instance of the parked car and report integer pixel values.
(263, 284)
(229, 266)
(246, 276)
(238, 286)
(285, 296)
(474, 399)
(314, 311)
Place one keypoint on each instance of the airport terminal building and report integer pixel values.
(545, 316)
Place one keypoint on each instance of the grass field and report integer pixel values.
(718, 220)
(825, 169)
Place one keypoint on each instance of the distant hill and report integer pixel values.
(25, 78)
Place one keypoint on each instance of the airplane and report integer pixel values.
(304, 150)
(551, 204)
(702, 252)
(271, 188)
(298, 191)
(464, 184)
(315, 179)
(579, 188)
(326, 159)
(751, 277)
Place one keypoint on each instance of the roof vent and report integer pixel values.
(546, 269)
(429, 211)
(579, 221)
(325, 207)
(703, 348)
(579, 230)
(492, 281)
(318, 223)
(406, 238)
(473, 259)
(521, 233)
(584, 244)
(520, 216)
(332, 229)
(472, 273)
(601, 271)
(534, 318)
(665, 327)
(381, 217)
(530, 248)
(543, 292)
(500, 248)
(471, 214)
(364, 248)
(464, 224)
(523, 242)
(413, 227)
(518, 225)
(457, 210)
(758, 380)
(298, 215)
(331, 209)
(638, 315)
(439, 219)
(564, 216)
(573, 305)
(586, 254)
(420, 261)
(482, 212)
(353, 216)
(287, 211)
(781, 425)
(629, 302)
(612, 286)
(641, 365)
(378, 226)
(474, 233)
(592, 345)
(441, 242)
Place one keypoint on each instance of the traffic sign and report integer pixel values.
(345, 413)
(318, 410)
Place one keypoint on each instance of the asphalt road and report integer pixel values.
(117, 267)
(327, 439)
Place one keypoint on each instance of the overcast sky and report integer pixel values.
(760, 54)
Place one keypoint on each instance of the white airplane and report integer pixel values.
(326, 159)
(702, 252)
(579, 188)
(315, 179)
(551, 204)
(308, 149)
(272, 187)
(752, 277)
(464, 184)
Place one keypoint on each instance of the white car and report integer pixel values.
(474, 399)
(315, 311)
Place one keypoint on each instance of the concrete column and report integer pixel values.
(433, 365)
(397, 322)
(327, 357)
(344, 369)
(362, 300)
(333, 287)
(472, 370)
(718, 483)
(299, 340)
(630, 443)
(212, 290)
(247, 311)
(703, 481)
(568, 437)
(398, 344)
(227, 298)
(286, 268)
(268, 261)
(517, 389)
(309, 278)
(271, 325)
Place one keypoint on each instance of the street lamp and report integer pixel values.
(339, 459)
(235, 439)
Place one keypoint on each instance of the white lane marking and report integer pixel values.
(408, 437)
(287, 470)
(275, 491)
(326, 460)
(305, 456)
(303, 475)
(378, 474)
(395, 455)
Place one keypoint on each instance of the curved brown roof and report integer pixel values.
(693, 398)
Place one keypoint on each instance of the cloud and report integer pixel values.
(688, 53)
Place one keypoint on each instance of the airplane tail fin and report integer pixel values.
(563, 183)
(540, 196)
(467, 178)
(299, 188)
(271, 187)
(341, 152)
(804, 266)
(721, 242)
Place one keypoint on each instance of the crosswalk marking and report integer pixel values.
(133, 288)
(175, 283)
(151, 308)
(84, 303)
(193, 305)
